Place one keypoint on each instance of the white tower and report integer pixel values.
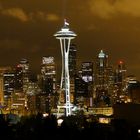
(65, 36)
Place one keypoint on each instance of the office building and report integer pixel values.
(48, 82)
(102, 75)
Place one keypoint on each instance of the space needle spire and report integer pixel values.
(65, 36)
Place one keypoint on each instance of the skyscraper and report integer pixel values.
(8, 78)
(22, 75)
(120, 82)
(18, 78)
(1, 91)
(65, 36)
(72, 69)
(48, 83)
(72, 60)
(84, 84)
(48, 72)
(7, 85)
(102, 79)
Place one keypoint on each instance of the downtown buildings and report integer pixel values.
(94, 84)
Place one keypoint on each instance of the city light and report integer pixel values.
(59, 122)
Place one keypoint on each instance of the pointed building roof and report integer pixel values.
(101, 54)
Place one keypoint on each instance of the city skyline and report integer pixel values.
(27, 30)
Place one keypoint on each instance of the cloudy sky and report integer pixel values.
(27, 28)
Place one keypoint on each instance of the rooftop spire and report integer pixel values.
(101, 54)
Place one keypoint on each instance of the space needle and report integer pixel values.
(65, 36)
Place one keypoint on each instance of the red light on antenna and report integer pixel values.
(18, 66)
(120, 62)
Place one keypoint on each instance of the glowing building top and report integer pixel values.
(101, 54)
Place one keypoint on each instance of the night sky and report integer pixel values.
(27, 28)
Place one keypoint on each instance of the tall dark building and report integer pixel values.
(72, 60)
(22, 75)
(48, 73)
(48, 83)
(80, 89)
(120, 72)
(8, 78)
(72, 69)
(18, 78)
(120, 82)
(133, 90)
(84, 84)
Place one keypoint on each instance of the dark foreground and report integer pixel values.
(38, 128)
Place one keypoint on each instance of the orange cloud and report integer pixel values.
(52, 17)
(16, 13)
(44, 16)
(109, 8)
(101, 8)
(24, 16)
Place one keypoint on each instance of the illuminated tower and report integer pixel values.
(101, 79)
(65, 36)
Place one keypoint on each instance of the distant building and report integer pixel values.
(22, 80)
(72, 60)
(32, 93)
(22, 75)
(7, 78)
(1, 91)
(133, 90)
(72, 70)
(18, 78)
(103, 79)
(80, 89)
(84, 84)
(48, 82)
(120, 83)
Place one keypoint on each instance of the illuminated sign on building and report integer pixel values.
(47, 60)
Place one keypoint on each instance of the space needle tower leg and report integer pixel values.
(65, 36)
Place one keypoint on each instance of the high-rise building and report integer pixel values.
(22, 75)
(22, 80)
(48, 84)
(72, 60)
(32, 93)
(84, 84)
(101, 66)
(133, 90)
(18, 79)
(120, 72)
(72, 70)
(7, 77)
(48, 72)
(1, 91)
(87, 72)
(120, 82)
(102, 80)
